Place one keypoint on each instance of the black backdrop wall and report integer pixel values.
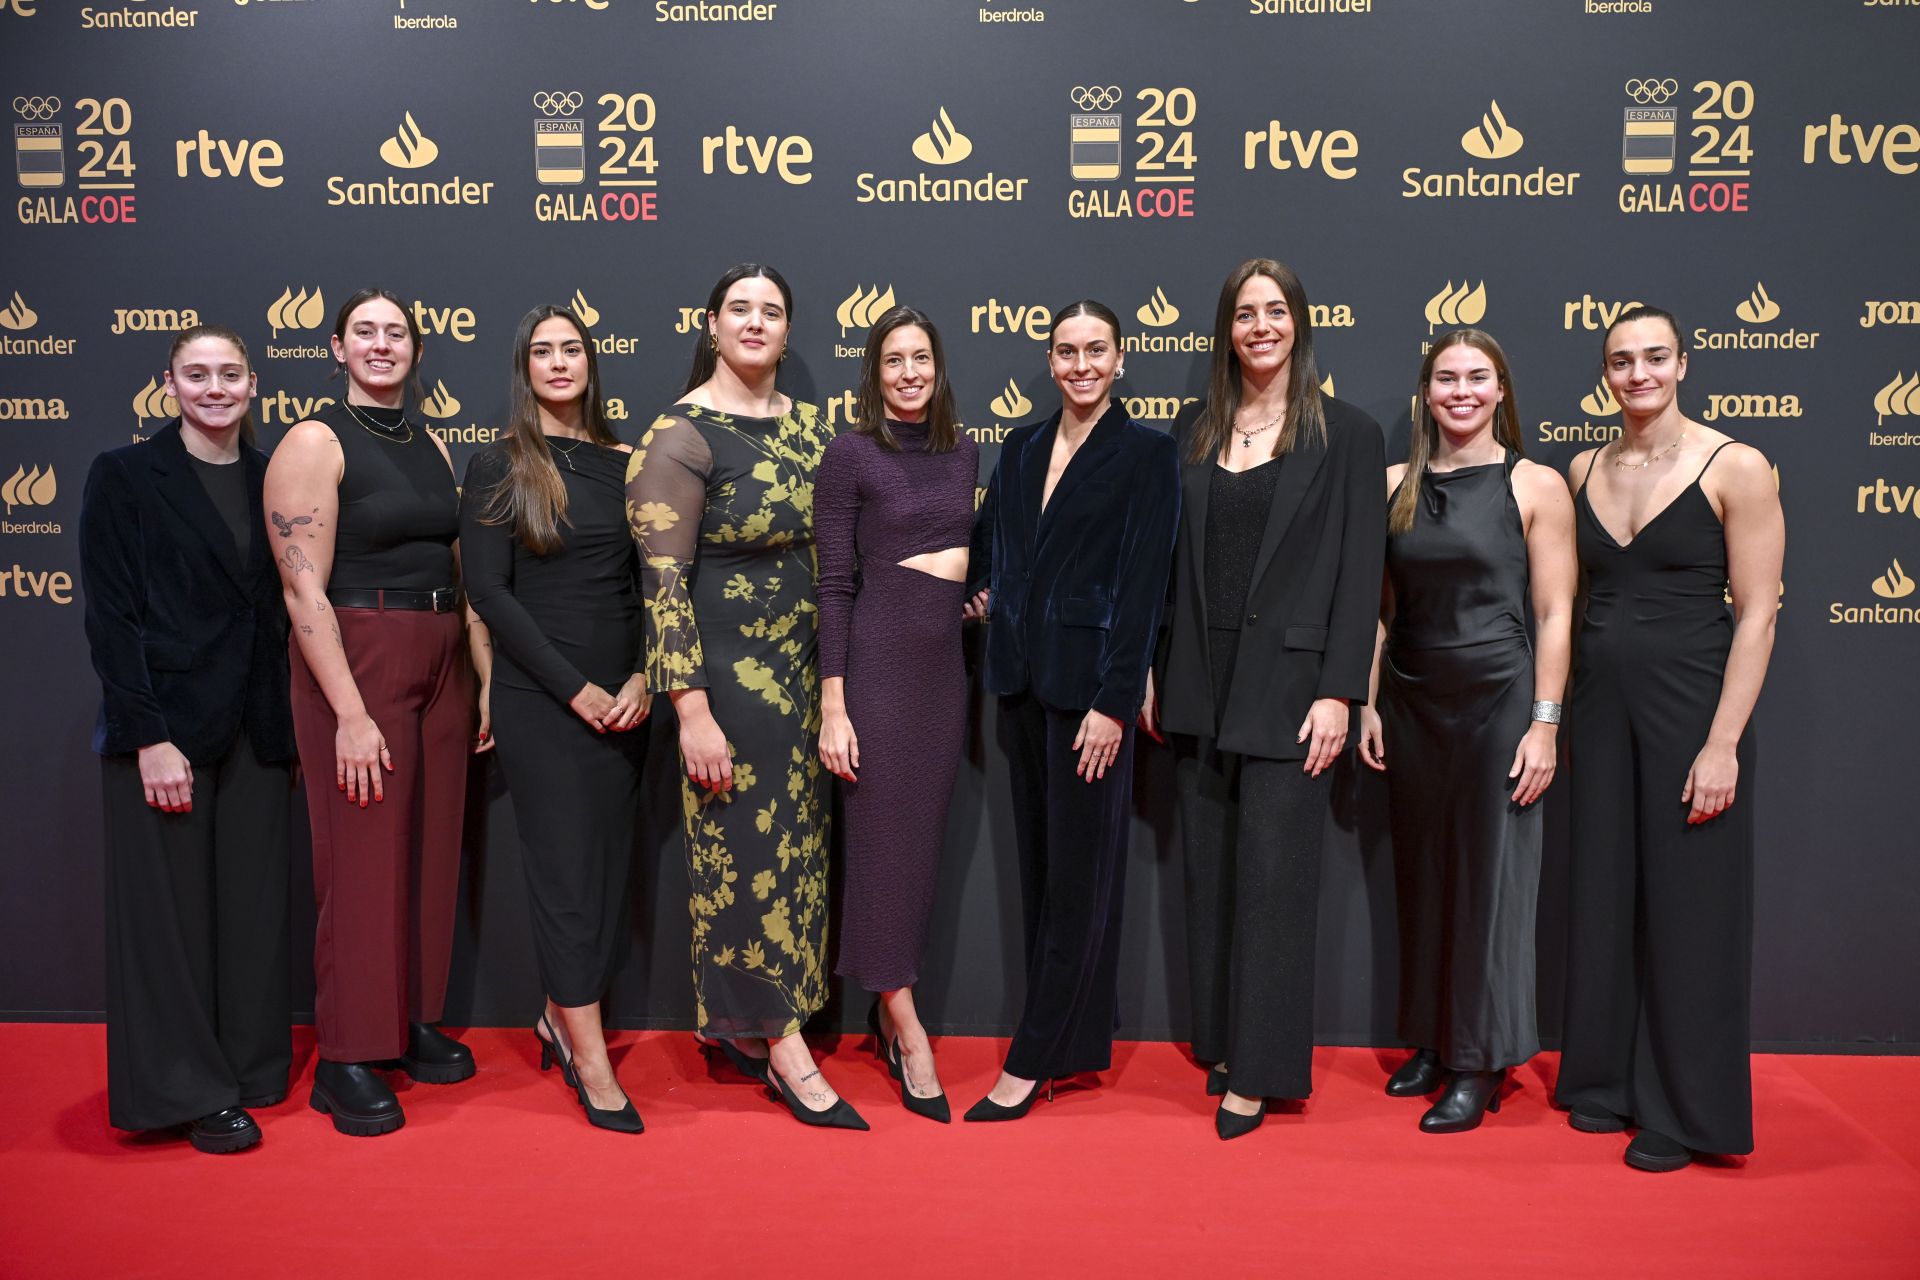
(1527, 165)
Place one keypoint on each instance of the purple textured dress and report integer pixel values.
(893, 633)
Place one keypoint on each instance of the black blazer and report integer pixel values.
(1313, 602)
(1077, 589)
(190, 644)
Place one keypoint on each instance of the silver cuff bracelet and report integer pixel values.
(1547, 712)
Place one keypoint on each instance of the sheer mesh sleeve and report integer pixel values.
(836, 513)
(666, 498)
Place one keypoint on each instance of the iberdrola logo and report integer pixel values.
(1157, 312)
(943, 143)
(36, 488)
(1599, 402)
(409, 148)
(1010, 403)
(152, 401)
(292, 310)
(17, 315)
(859, 309)
(1460, 306)
(1898, 399)
(441, 403)
(1758, 308)
(1493, 138)
(583, 310)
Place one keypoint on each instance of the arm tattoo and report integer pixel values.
(285, 526)
(305, 630)
(297, 561)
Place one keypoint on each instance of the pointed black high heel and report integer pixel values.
(1216, 1082)
(626, 1119)
(551, 1053)
(754, 1069)
(1231, 1124)
(934, 1108)
(988, 1109)
(1469, 1096)
(840, 1115)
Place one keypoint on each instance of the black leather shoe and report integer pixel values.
(1469, 1096)
(1657, 1153)
(1590, 1117)
(223, 1131)
(356, 1097)
(1417, 1076)
(434, 1057)
(1231, 1124)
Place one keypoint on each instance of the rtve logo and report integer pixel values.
(451, 322)
(1290, 149)
(17, 315)
(746, 154)
(217, 158)
(942, 143)
(1459, 306)
(1894, 584)
(1891, 145)
(995, 316)
(1592, 314)
(1493, 138)
(1888, 499)
(24, 488)
(24, 584)
(1157, 312)
(23, 8)
(292, 310)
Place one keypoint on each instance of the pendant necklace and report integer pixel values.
(380, 429)
(566, 455)
(1246, 435)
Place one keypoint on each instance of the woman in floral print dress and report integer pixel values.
(720, 497)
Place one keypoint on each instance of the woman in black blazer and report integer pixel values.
(183, 615)
(1276, 583)
(1071, 546)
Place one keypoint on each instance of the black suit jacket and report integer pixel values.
(1312, 606)
(190, 644)
(1077, 589)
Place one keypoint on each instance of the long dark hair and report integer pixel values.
(1306, 413)
(1426, 432)
(870, 411)
(224, 334)
(368, 294)
(532, 497)
(705, 356)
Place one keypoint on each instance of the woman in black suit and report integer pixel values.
(196, 744)
(1276, 582)
(1072, 546)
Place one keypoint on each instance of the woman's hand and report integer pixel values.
(166, 776)
(1373, 746)
(483, 732)
(359, 753)
(1098, 743)
(704, 748)
(976, 609)
(839, 744)
(594, 705)
(1150, 712)
(1534, 762)
(633, 704)
(1710, 783)
(1325, 732)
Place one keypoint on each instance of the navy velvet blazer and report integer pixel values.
(1312, 605)
(1077, 589)
(190, 644)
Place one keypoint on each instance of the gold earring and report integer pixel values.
(713, 344)
(783, 353)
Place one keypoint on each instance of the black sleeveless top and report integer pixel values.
(1460, 573)
(1237, 507)
(399, 508)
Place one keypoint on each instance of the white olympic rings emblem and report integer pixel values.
(37, 108)
(1095, 98)
(1645, 91)
(553, 104)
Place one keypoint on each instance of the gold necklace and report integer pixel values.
(1651, 458)
(378, 429)
(1246, 436)
(566, 455)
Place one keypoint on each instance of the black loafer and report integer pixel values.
(434, 1057)
(1417, 1076)
(357, 1098)
(1657, 1153)
(1590, 1117)
(223, 1131)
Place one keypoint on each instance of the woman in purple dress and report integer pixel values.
(891, 513)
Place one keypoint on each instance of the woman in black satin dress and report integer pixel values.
(553, 571)
(1480, 541)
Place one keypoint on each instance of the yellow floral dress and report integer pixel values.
(722, 507)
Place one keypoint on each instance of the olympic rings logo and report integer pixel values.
(37, 108)
(1645, 91)
(1095, 98)
(554, 104)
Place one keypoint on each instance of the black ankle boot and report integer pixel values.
(434, 1057)
(1417, 1076)
(223, 1131)
(356, 1097)
(1470, 1095)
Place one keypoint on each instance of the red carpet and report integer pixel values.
(501, 1176)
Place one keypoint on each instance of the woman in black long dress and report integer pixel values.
(720, 498)
(1275, 593)
(892, 512)
(196, 747)
(1674, 519)
(1478, 539)
(552, 570)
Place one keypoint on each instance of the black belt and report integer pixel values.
(439, 600)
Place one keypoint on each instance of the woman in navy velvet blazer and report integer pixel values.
(1072, 548)
(196, 744)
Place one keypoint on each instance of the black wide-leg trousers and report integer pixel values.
(1253, 830)
(198, 1006)
(1072, 838)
